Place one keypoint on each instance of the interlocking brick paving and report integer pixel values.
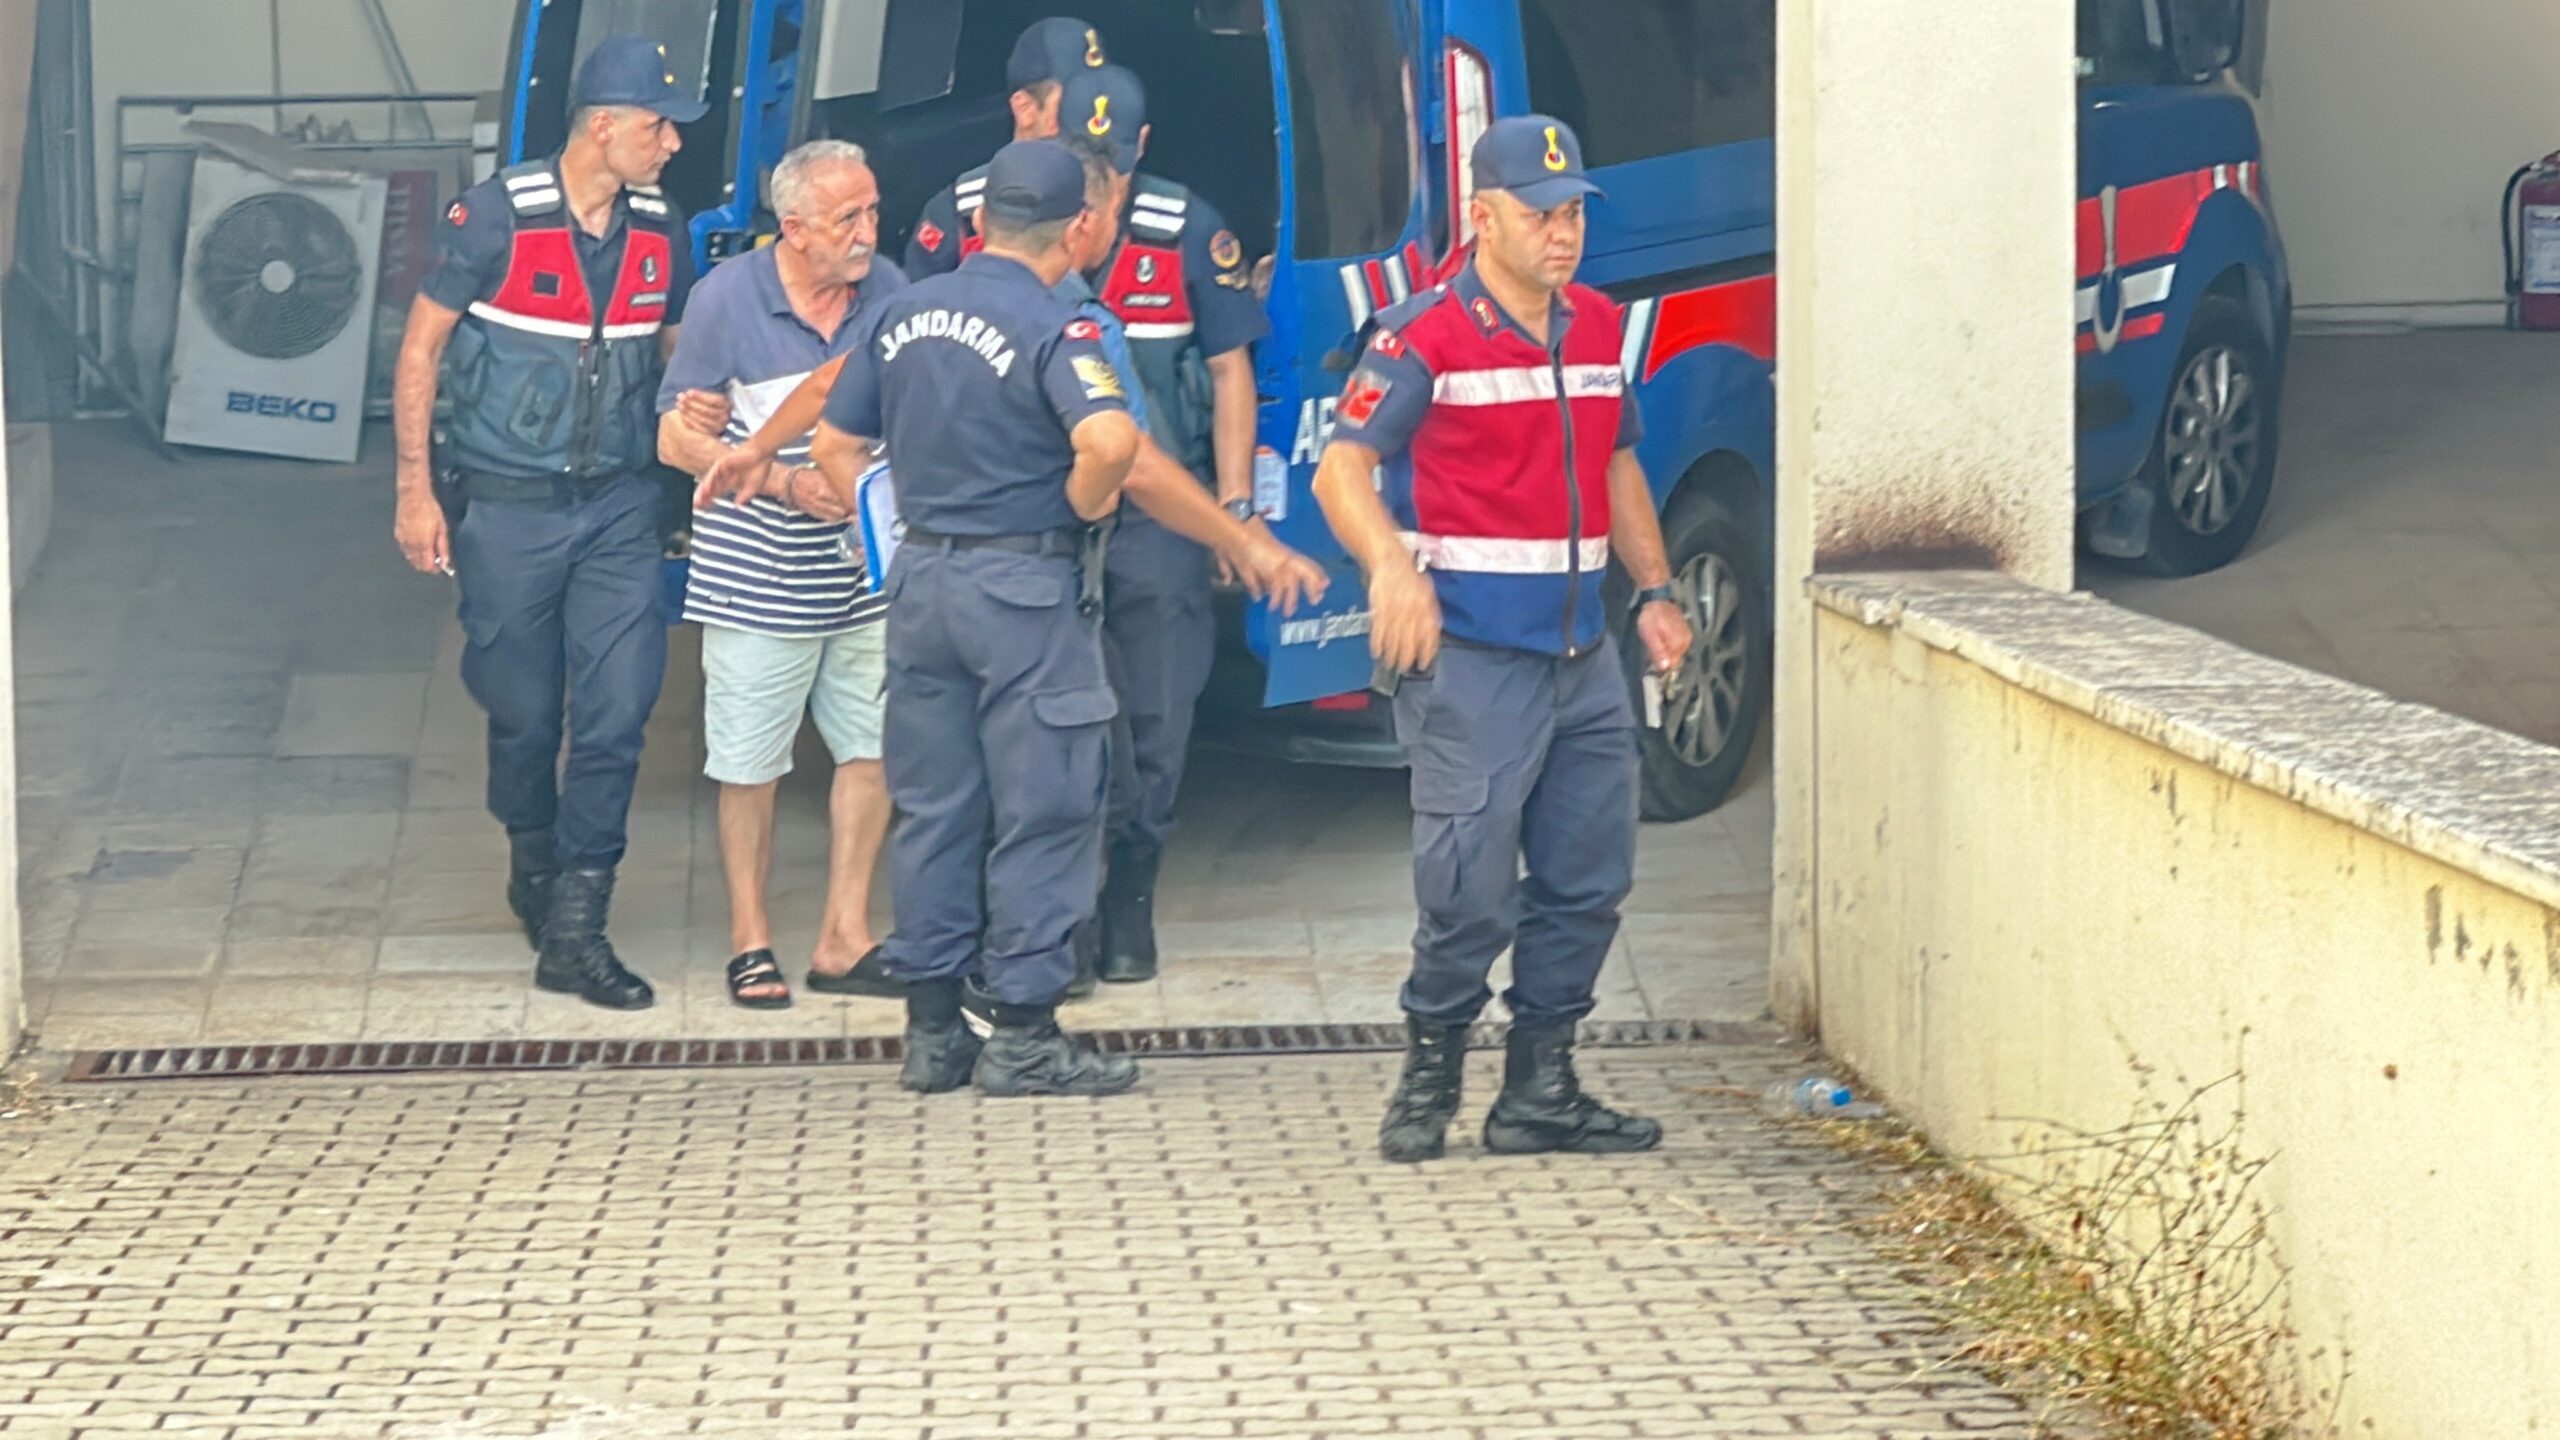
(788, 1253)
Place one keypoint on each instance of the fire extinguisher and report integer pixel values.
(2529, 229)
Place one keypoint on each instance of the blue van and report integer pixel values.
(1332, 135)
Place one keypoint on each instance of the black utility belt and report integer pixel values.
(1041, 542)
(539, 489)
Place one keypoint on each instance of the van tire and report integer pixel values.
(2196, 444)
(1689, 768)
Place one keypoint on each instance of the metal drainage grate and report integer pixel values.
(417, 1057)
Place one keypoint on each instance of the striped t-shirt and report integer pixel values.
(765, 566)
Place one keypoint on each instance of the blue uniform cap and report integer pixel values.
(628, 70)
(1053, 49)
(1537, 158)
(1107, 106)
(1032, 182)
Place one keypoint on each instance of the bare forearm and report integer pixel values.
(1093, 487)
(1166, 491)
(1635, 532)
(686, 448)
(841, 458)
(1231, 427)
(1106, 446)
(799, 412)
(413, 391)
(1352, 507)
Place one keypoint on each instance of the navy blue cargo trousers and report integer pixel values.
(997, 745)
(1517, 757)
(1159, 638)
(563, 637)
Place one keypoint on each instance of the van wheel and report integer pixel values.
(1711, 710)
(2214, 463)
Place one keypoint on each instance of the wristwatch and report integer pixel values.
(1650, 594)
(1240, 508)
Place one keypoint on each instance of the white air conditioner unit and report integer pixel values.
(275, 311)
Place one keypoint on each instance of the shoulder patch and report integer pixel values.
(929, 235)
(457, 214)
(1083, 330)
(1225, 251)
(1388, 343)
(1362, 397)
(1100, 381)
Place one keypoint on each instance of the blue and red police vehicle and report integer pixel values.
(1332, 134)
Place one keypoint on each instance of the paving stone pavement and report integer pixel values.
(816, 1252)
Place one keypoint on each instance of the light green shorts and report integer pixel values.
(756, 688)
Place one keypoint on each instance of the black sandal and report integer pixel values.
(755, 970)
(869, 976)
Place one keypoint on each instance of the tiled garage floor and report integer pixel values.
(251, 783)
(250, 777)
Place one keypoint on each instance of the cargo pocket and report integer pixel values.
(1448, 846)
(1069, 709)
(1079, 718)
(1442, 792)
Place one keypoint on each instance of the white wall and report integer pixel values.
(222, 47)
(2392, 128)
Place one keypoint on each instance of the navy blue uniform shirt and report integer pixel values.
(1223, 305)
(975, 380)
(479, 230)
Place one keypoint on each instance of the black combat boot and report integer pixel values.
(1542, 1107)
(1088, 950)
(531, 870)
(1030, 1055)
(941, 1051)
(1417, 1123)
(576, 958)
(1129, 915)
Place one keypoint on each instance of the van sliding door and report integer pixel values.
(1351, 217)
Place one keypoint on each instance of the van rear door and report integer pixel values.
(1352, 201)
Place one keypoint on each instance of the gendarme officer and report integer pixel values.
(1008, 431)
(1497, 405)
(556, 290)
(1179, 283)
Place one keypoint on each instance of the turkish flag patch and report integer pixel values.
(458, 213)
(929, 235)
(1362, 397)
(1389, 344)
(1083, 330)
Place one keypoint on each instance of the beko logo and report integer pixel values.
(281, 407)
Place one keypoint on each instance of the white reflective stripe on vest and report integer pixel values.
(560, 329)
(1156, 332)
(1526, 383)
(1486, 555)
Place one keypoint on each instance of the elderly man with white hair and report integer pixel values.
(790, 624)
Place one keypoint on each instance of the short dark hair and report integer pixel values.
(1099, 170)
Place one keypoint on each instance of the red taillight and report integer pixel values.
(1470, 113)
(1353, 700)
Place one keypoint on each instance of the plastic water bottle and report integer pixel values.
(1816, 1097)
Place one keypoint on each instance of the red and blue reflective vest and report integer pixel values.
(547, 379)
(1497, 452)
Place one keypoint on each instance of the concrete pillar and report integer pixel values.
(1926, 185)
(17, 56)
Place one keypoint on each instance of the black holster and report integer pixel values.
(1093, 555)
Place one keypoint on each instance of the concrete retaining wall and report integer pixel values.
(2053, 835)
